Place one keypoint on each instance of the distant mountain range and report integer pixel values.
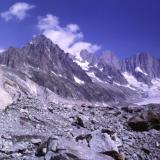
(42, 69)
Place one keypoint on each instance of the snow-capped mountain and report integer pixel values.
(46, 65)
(139, 73)
(42, 69)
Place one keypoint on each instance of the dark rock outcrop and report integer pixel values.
(145, 121)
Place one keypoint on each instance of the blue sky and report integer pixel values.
(123, 26)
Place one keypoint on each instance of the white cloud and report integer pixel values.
(69, 38)
(48, 22)
(18, 10)
(78, 46)
(73, 27)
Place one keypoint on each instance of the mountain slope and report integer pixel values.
(48, 66)
(137, 75)
(88, 77)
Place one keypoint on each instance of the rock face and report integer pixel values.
(89, 57)
(137, 75)
(146, 62)
(41, 53)
(91, 77)
(110, 59)
(47, 65)
(145, 121)
(148, 65)
(142, 66)
(115, 74)
(109, 68)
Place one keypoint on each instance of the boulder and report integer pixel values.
(145, 121)
(138, 124)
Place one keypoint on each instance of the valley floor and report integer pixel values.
(68, 131)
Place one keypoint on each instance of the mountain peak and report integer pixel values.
(41, 39)
(143, 54)
(88, 56)
(110, 59)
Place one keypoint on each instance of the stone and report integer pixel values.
(146, 149)
(52, 145)
(108, 131)
(36, 141)
(49, 155)
(154, 119)
(86, 137)
(16, 155)
(157, 144)
(102, 142)
(114, 154)
(117, 140)
(138, 124)
(145, 121)
(7, 145)
(79, 122)
(42, 149)
(21, 147)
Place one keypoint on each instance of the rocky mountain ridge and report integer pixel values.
(139, 72)
(138, 64)
(47, 65)
(89, 77)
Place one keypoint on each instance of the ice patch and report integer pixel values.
(118, 84)
(96, 65)
(54, 73)
(138, 69)
(94, 78)
(83, 64)
(60, 75)
(122, 85)
(77, 80)
(32, 86)
(154, 90)
(156, 82)
(133, 82)
(151, 91)
(31, 42)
